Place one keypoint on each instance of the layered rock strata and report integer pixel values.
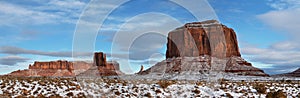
(99, 67)
(203, 48)
(52, 68)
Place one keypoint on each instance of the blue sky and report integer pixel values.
(43, 30)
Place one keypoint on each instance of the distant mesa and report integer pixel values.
(295, 73)
(52, 68)
(66, 68)
(203, 47)
(101, 67)
(62, 65)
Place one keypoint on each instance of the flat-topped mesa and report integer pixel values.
(202, 48)
(49, 68)
(62, 65)
(202, 38)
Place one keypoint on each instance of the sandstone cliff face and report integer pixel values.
(51, 68)
(62, 65)
(110, 69)
(106, 68)
(99, 59)
(202, 38)
(203, 48)
(101, 67)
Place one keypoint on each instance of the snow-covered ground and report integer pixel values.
(98, 87)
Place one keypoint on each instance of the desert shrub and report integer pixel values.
(223, 81)
(196, 91)
(260, 88)
(117, 93)
(278, 94)
(228, 95)
(288, 81)
(164, 83)
(243, 82)
(81, 95)
(148, 95)
(199, 83)
(55, 96)
(157, 91)
(70, 94)
(41, 96)
(283, 80)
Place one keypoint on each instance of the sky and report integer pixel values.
(134, 32)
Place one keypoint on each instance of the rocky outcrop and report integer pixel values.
(106, 68)
(99, 59)
(110, 69)
(61, 65)
(241, 67)
(203, 48)
(101, 67)
(295, 73)
(202, 38)
(51, 68)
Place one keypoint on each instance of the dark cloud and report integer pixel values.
(12, 60)
(16, 50)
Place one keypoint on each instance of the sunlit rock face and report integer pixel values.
(99, 59)
(53, 65)
(204, 48)
(202, 38)
(50, 68)
(99, 67)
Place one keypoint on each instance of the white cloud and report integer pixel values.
(285, 20)
(280, 56)
(52, 12)
(285, 17)
(144, 35)
(284, 55)
(284, 4)
(286, 46)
